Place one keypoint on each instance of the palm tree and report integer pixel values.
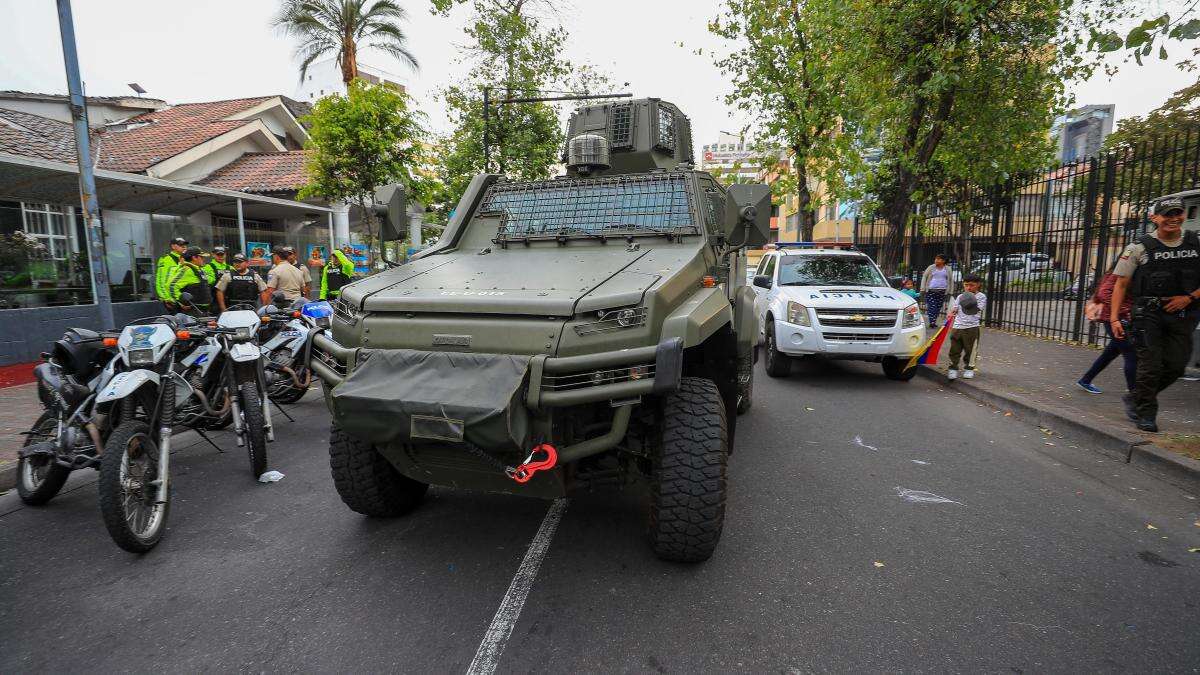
(326, 27)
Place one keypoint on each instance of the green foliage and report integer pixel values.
(514, 53)
(340, 27)
(358, 142)
(788, 72)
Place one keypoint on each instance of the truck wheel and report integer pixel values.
(777, 363)
(893, 369)
(745, 384)
(687, 502)
(367, 482)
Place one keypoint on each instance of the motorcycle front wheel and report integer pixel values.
(128, 497)
(254, 424)
(39, 478)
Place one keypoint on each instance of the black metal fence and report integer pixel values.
(1043, 242)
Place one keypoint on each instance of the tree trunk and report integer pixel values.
(349, 62)
(807, 217)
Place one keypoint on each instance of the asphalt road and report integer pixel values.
(1048, 557)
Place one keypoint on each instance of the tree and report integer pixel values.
(368, 138)
(515, 52)
(787, 73)
(961, 92)
(340, 27)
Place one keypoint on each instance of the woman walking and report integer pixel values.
(935, 284)
(1115, 346)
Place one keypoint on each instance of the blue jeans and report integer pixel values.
(1111, 350)
(934, 299)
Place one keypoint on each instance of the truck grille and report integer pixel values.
(329, 361)
(857, 318)
(597, 377)
(856, 337)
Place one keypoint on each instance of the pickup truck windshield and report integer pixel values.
(658, 203)
(828, 270)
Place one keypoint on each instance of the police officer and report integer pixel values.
(239, 285)
(336, 273)
(294, 262)
(283, 277)
(187, 277)
(1161, 271)
(216, 267)
(165, 267)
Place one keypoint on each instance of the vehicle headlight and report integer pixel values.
(798, 314)
(141, 358)
(912, 316)
(244, 332)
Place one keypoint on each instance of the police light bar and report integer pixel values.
(814, 244)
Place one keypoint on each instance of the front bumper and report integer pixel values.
(797, 340)
(554, 381)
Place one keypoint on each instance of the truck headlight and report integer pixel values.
(912, 316)
(140, 358)
(798, 314)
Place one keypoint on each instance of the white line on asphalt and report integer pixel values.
(487, 657)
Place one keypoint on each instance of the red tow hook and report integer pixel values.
(525, 471)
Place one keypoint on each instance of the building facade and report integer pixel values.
(1080, 134)
(325, 77)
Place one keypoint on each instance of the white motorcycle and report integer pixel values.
(286, 350)
(170, 372)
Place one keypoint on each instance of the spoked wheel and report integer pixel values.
(128, 493)
(39, 478)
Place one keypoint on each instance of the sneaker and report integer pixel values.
(968, 374)
(952, 374)
(1130, 408)
(1147, 425)
(1089, 387)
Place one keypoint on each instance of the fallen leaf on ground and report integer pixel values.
(1150, 527)
(809, 409)
(1194, 549)
(879, 564)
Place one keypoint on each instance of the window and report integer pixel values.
(832, 270)
(666, 129)
(47, 223)
(831, 211)
(769, 269)
(41, 262)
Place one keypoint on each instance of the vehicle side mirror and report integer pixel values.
(748, 215)
(392, 208)
(762, 281)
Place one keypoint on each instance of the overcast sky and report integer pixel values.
(183, 50)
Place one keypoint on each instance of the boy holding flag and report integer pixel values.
(966, 311)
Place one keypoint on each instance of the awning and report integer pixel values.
(33, 179)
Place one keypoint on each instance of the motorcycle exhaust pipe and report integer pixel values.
(300, 384)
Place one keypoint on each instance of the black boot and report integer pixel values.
(1147, 425)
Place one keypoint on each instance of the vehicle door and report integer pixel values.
(762, 296)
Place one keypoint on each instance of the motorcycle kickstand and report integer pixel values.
(210, 441)
(285, 413)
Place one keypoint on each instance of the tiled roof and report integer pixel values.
(37, 136)
(261, 172)
(169, 132)
(298, 109)
(36, 96)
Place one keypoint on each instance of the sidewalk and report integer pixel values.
(19, 409)
(1036, 378)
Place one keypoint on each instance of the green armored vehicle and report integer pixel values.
(581, 331)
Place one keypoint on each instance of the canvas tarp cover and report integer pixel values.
(409, 395)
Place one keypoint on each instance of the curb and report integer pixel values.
(8, 476)
(1107, 439)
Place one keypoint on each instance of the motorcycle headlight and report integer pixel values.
(245, 332)
(912, 316)
(141, 358)
(798, 314)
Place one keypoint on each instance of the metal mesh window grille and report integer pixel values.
(653, 203)
(621, 130)
(666, 129)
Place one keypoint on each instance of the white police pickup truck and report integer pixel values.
(834, 303)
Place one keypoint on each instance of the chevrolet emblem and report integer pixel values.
(858, 317)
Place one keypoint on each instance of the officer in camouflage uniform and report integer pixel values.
(1161, 271)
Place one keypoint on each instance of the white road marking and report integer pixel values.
(922, 497)
(859, 442)
(487, 657)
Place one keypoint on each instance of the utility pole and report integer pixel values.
(87, 181)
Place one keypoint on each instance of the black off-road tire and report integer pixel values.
(366, 481)
(893, 369)
(109, 488)
(745, 384)
(56, 475)
(255, 428)
(776, 362)
(687, 500)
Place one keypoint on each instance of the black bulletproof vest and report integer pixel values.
(1168, 271)
(334, 277)
(241, 287)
